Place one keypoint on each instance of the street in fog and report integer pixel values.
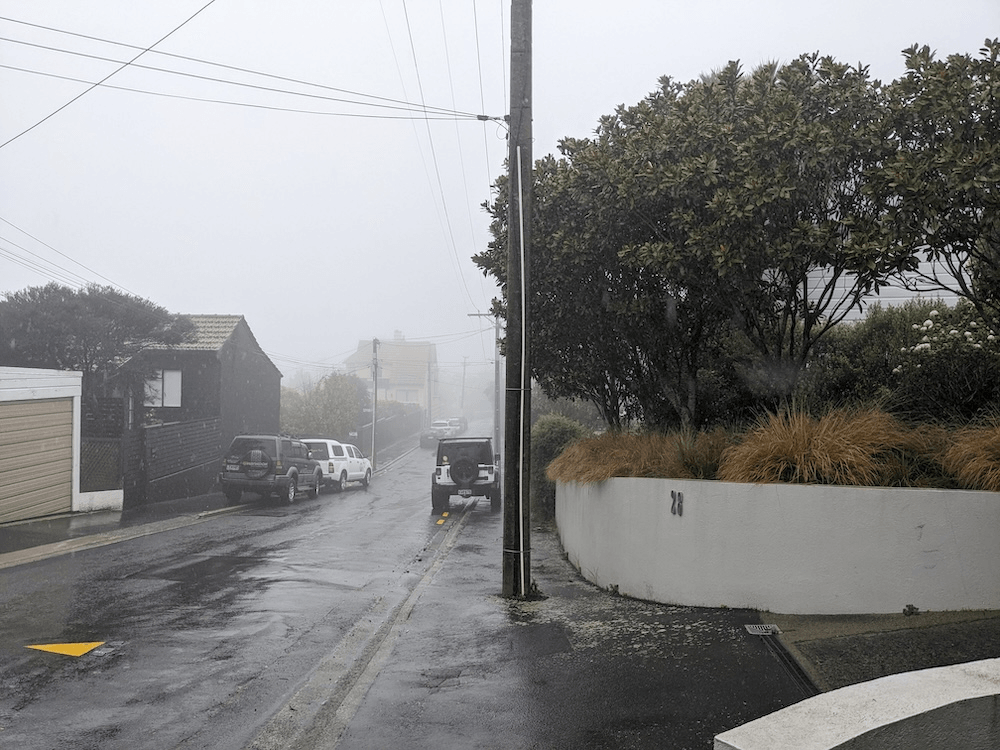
(207, 628)
(361, 620)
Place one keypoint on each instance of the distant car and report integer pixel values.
(442, 428)
(458, 426)
(340, 462)
(266, 464)
(466, 467)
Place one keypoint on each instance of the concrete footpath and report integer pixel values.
(578, 667)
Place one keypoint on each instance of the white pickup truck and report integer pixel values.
(340, 462)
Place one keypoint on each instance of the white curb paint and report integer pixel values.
(945, 707)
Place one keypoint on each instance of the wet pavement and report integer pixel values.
(578, 667)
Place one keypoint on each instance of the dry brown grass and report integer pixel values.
(859, 447)
(974, 457)
(681, 455)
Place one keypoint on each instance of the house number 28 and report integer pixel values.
(677, 504)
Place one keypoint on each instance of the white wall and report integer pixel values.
(793, 549)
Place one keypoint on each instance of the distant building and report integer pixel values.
(408, 370)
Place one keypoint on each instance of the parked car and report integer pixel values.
(340, 462)
(441, 428)
(266, 464)
(466, 467)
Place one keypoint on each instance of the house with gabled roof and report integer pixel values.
(200, 394)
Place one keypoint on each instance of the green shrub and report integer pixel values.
(952, 372)
(549, 436)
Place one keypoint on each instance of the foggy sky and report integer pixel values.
(326, 229)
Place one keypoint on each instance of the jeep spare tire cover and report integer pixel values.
(464, 472)
(256, 464)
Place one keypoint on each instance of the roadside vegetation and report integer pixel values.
(699, 261)
(907, 397)
(857, 447)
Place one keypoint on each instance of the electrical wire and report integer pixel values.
(417, 115)
(235, 68)
(403, 106)
(109, 75)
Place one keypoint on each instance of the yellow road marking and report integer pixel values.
(439, 522)
(68, 649)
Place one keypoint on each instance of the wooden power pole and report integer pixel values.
(517, 416)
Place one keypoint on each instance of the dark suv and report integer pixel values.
(466, 467)
(266, 464)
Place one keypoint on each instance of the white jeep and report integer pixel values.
(466, 467)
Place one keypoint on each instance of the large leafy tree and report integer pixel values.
(942, 183)
(770, 168)
(732, 203)
(95, 330)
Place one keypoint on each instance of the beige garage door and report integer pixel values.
(36, 458)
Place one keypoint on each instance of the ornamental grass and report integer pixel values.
(683, 455)
(858, 447)
(973, 457)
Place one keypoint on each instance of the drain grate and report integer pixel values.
(763, 629)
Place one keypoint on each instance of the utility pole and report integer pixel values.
(375, 343)
(517, 421)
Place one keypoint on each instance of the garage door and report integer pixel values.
(36, 458)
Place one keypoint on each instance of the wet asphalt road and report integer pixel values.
(209, 628)
(357, 621)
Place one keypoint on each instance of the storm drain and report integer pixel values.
(763, 629)
(792, 668)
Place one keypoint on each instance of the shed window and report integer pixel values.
(164, 389)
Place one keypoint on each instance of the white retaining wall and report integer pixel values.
(795, 549)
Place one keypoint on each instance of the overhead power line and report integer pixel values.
(376, 101)
(109, 75)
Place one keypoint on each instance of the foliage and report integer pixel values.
(863, 447)
(941, 186)
(854, 364)
(549, 436)
(333, 408)
(953, 371)
(583, 412)
(681, 454)
(974, 457)
(866, 447)
(94, 330)
(727, 206)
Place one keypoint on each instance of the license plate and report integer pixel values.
(232, 468)
(465, 493)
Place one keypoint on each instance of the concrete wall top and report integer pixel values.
(28, 383)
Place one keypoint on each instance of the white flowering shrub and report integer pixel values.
(952, 372)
